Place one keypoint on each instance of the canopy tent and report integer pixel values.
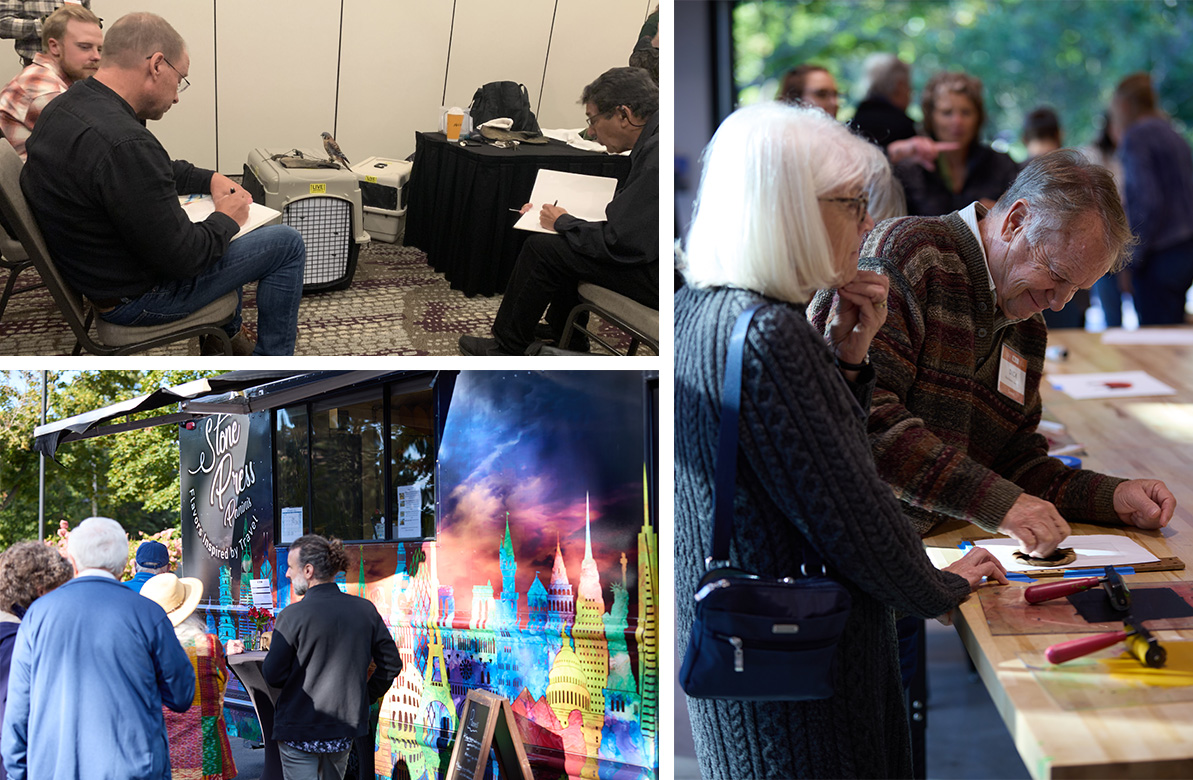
(236, 392)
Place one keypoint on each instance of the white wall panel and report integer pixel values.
(392, 72)
(10, 63)
(588, 40)
(277, 75)
(495, 41)
(188, 128)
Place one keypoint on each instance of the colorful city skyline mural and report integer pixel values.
(541, 585)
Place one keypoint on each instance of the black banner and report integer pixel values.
(225, 469)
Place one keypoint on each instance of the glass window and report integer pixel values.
(412, 465)
(293, 461)
(347, 462)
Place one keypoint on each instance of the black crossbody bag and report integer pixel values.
(755, 637)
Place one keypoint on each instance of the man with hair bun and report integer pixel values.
(105, 193)
(319, 656)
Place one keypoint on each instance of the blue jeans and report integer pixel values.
(1161, 282)
(1111, 298)
(274, 257)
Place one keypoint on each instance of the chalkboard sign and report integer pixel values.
(487, 725)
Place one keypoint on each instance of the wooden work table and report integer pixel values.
(1130, 437)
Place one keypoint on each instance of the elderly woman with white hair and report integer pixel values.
(780, 214)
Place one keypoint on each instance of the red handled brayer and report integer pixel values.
(1112, 583)
(1140, 643)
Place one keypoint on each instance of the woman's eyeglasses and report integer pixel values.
(857, 205)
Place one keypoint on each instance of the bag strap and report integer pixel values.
(726, 477)
(726, 472)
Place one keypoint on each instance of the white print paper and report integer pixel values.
(1116, 384)
(584, 197)
(200, 207)
(410, 512)
(1160, 336)
(1093, 551)
(291, 523)
(262, 595)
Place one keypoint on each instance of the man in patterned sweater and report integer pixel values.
(960, 358)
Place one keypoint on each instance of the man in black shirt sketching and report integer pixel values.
(621, 253)
(105, 194)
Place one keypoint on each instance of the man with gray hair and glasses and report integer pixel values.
(960, 357)
(105, 194)
(93, 664)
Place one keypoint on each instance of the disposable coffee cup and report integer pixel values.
(455, 119)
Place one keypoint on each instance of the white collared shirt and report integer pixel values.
(970, 215)
(97, 573)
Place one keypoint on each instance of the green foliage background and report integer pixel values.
(130, 477)
(1069, 54)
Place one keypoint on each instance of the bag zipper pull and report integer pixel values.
(739, 655)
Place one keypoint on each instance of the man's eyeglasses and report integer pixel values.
(857, 205)
(824, 94)
(182, 80)
(592, 119)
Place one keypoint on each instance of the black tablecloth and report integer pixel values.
(458, 211)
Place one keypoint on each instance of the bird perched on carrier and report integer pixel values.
(333, 150)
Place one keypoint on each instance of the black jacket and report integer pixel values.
(630, 232)
(882, 122)
(105, 194)
(320, 656)
(988, 175)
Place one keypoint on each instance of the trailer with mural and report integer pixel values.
(503, 523)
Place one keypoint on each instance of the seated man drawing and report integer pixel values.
(105, 194)
(71, 41)
(621, 253)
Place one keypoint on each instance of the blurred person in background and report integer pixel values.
(810, 85)
(1158, 192)
(971, 171)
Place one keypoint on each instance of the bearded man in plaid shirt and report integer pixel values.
(71, 44)
(23, 20)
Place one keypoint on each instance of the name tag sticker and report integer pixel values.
(318, 189)
(1012, 374)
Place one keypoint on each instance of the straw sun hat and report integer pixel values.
(178, 597)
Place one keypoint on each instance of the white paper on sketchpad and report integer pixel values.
(1116, 384)
(1161, 336)
(200, 207)
(584, 197)
(1093, 551)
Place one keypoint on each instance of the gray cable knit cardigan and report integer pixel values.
(804, 468)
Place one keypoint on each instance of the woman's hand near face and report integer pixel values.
(859, 313)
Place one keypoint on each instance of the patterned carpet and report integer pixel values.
(397, 305)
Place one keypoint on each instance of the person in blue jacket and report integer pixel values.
(93, 665)
(153, 558)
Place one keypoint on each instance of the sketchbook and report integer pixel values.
(584, 197)
(200, 207)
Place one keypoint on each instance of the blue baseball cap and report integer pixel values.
(153, 554)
